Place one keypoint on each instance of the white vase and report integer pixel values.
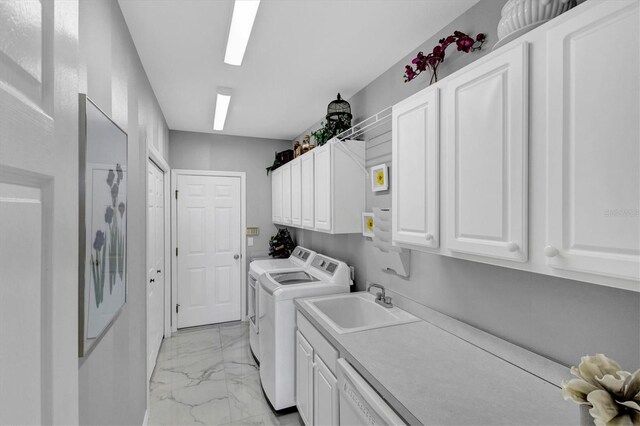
(520, 14)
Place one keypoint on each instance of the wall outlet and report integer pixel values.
(250, 241)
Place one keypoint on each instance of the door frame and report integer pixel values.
(174, 236)
(162, 164)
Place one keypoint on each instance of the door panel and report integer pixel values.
(486, 142)
(325, 395)
(296, 192)
(39, 212)
(276, 196)
(155, 262)
(209, 240)
(307, 196)
(304, 379)
(415, 171)
(592, 189)
(322, 181)
(286, 193)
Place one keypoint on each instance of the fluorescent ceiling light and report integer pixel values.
(222, 107)
(244, 13)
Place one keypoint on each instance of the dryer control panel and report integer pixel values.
(324, 264)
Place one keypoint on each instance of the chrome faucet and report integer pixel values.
(381, 298)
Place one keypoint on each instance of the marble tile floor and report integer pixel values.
(207, 376)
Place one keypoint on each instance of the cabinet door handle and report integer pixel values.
(550, 251)
(159, 271)
(429, 237)
(152, 280)
(512, 247)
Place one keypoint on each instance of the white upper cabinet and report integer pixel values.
(286, 193)
(415, 174)
(593, 171)
(276, 196)
(322, 190)
(485, 119)
(322, 193)
(296, 192)
(307, 196)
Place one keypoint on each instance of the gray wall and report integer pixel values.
(204, 151)
(557, 318)
(112, 382)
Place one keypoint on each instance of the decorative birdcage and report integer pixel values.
(338, 115)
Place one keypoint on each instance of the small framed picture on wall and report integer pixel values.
(367, 224)
(379, 178)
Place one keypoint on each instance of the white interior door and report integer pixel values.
(38, 212)
(209, 247)
(155, 264)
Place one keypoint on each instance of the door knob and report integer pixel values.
(512, 247)
(429, 237)
(236, 256)
(550, 251)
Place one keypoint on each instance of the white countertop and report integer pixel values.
(430, 376)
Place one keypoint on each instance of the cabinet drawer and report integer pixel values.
(321, 346)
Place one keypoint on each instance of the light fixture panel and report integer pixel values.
(244, 13)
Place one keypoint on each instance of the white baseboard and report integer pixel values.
(145, 421)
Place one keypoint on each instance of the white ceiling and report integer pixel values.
(300, 55)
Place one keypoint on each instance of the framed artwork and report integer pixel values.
(103, 224)
(379, 178)
(367, 224)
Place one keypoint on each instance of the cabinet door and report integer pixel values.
(286, 193)
(296, 192)
(322, 179)
(486, 142)
(276, 196)
(415, 170)
(325, 395)
(304, 379)
(593, 172)
(306, 165)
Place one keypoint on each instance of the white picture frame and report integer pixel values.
(379, 177)
(368, 223)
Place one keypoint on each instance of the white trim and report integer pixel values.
(243, 240)
(145, 420)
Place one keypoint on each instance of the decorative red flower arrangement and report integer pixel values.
(431, 61)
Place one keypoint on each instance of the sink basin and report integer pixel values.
(348, 313)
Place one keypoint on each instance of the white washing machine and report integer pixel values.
(300, 259)
(278, 321)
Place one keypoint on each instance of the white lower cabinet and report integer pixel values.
(317, 396)
(304, 378)
(325, 395)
